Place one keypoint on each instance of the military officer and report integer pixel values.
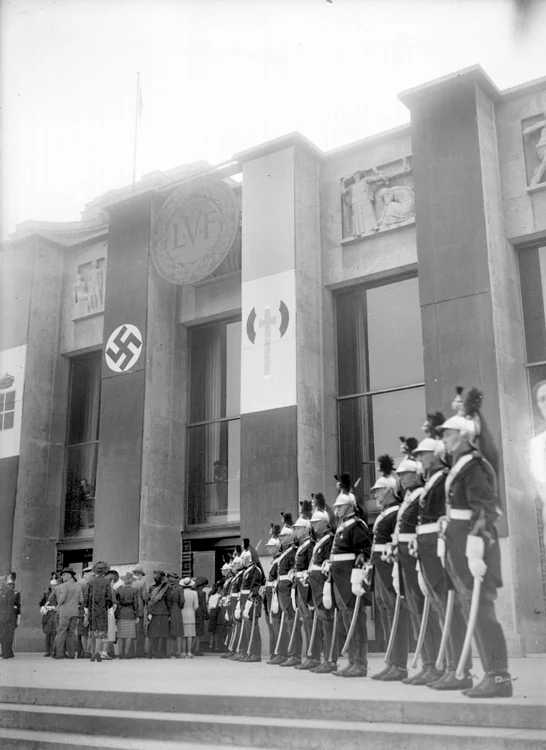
(10, 614)
(301, 590)
(435, 581)
(322, 531)
(250, 602)
(234, 609)
(411, 480)
(472, 549)
(387, 494)
(350, 550)
(270, 599)
(287, 657)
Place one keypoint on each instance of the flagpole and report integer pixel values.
(137, 103)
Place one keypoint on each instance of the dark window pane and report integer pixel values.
(351, 343)
(83, 424)
(9, 404)
(81, 473)
(213, 473)
(8, 420)
(532, 267)
(537, 378)
(2, 397)
(1, 421)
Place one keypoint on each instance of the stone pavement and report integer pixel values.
(211, 675)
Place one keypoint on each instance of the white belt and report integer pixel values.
(343, 556)
(233, 596)
(245, 591)
(301, 575)
(404, 537)
(314, 566)
(284, 578)
(459, 515)
(270, 584)
(379, 548)
(427, 528)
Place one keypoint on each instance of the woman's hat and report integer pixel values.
(101, 568)
(201, 581)
(185, 582)
(128, 577)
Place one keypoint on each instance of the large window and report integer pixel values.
(214, 436)
(532, 264)
(381, 393)
(82, 444)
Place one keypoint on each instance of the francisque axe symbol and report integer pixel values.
(123, 348)
(266, 323)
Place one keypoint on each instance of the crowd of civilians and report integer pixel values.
(104, 616)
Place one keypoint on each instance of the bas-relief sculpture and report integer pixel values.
(88, 290)
(535, 134)
(372, 204)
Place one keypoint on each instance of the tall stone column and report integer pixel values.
(287, 405)
(471, 317)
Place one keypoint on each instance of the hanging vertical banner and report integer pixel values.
(268, 354)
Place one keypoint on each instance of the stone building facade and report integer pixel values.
(206, 348)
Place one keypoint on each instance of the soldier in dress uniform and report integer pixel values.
(10, 614)
(235, 611)
(324, 535)
(411, 479)
(472, 547)
(350, 550)
(387, 495)
(285, 656)
(431, 454)
(271, 602)
(251, 603)
(223, 614)
(301, 591)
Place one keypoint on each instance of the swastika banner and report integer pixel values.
(268, 357)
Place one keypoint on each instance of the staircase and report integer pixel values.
(55, 719)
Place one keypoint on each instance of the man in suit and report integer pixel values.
(10, 614)
(69, 600)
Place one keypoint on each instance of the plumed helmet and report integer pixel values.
(287, 528)
(345, 498)
(431, 445)
(344, 479)
(387, 478)
(306, 511)
(274, 532)
(320, 513)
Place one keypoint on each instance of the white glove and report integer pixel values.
(420, 579)
(248, 607)
(367, 573)
(293, 597)
(441, 550)
(475, 550)
(43, 610)
(396, 578)
(274, 603)
(226, 616)
(412, 546)
(326, 565)
(305, 578)
(327, 595)
(238, 611)
(291, 574)
(356, 581)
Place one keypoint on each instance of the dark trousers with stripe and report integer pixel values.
(385, 599)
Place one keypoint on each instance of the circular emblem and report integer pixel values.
(195, 230)
(123, 348)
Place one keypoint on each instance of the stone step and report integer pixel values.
(264, 732)
(455, 710)
(18, 739)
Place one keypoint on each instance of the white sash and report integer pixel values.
(321, 542)
(385, 513)
(455, 470)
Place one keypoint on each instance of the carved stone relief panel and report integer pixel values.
(377, 199)
(88, 289)
(534, 145)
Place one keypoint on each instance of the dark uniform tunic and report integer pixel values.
(159, 607)
(234, 591)
(471, 506)
(273, 618)
(10, 609)
(317, 579)
(284, 589)
(250, 591)
(303, 593)
(385, 595)
(352, 538)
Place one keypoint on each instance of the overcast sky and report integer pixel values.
(219, 76)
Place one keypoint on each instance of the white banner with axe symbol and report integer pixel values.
(268, 356)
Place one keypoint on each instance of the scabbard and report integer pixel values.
(313, 633)
(294, 629)
(422, 632)
(334, 636)
(394, 628)
(445, 632)
(472, 617)
(251, 639)
(352, 627)
(280, 635)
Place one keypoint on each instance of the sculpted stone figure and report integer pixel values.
(96, 298)
(399, 203)
(361, 197)
(79, 290)
(540, 170)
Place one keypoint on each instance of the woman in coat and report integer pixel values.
(176, 625)
(188, 617)
(98, 601)
(47, 610)
(127, 616)
(201, 614)
(159, 610)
